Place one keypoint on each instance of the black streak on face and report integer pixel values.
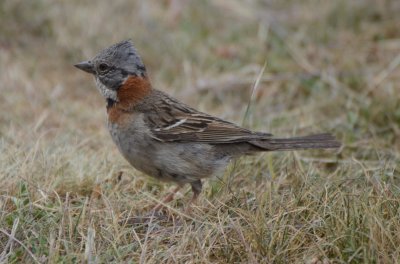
(124, 73)
(141, 68)
(110, 103)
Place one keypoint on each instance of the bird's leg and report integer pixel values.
(167, 198)
(196, 189)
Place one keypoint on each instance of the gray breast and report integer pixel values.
(179, 162)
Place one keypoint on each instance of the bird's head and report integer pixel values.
(113, 67)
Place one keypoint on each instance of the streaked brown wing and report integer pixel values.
(173, 121)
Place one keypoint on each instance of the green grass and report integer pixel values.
(331, 66)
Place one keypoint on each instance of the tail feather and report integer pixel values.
(318, 141)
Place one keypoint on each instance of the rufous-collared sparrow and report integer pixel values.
(167, 139)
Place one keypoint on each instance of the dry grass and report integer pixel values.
(331, 66)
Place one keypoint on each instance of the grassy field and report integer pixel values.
(331, 66)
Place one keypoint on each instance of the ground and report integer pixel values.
(330, 66)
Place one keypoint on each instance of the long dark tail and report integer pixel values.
(318, 141)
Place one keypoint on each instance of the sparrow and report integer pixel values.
(167, 139)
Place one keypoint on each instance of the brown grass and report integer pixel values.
(331, 66)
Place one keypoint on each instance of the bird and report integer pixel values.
(167, 139)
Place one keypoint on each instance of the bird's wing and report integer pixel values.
(172, 121)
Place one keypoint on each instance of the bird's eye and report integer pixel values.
(103, 67)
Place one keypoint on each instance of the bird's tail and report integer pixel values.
(318, 141)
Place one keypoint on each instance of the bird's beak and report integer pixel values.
(86, 66)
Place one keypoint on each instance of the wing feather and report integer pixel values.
(172, 121)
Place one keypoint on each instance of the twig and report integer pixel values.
(90, 245)
(253, 92)
(12, 237)
(4, 254)
(385, 73)
(246, 113)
